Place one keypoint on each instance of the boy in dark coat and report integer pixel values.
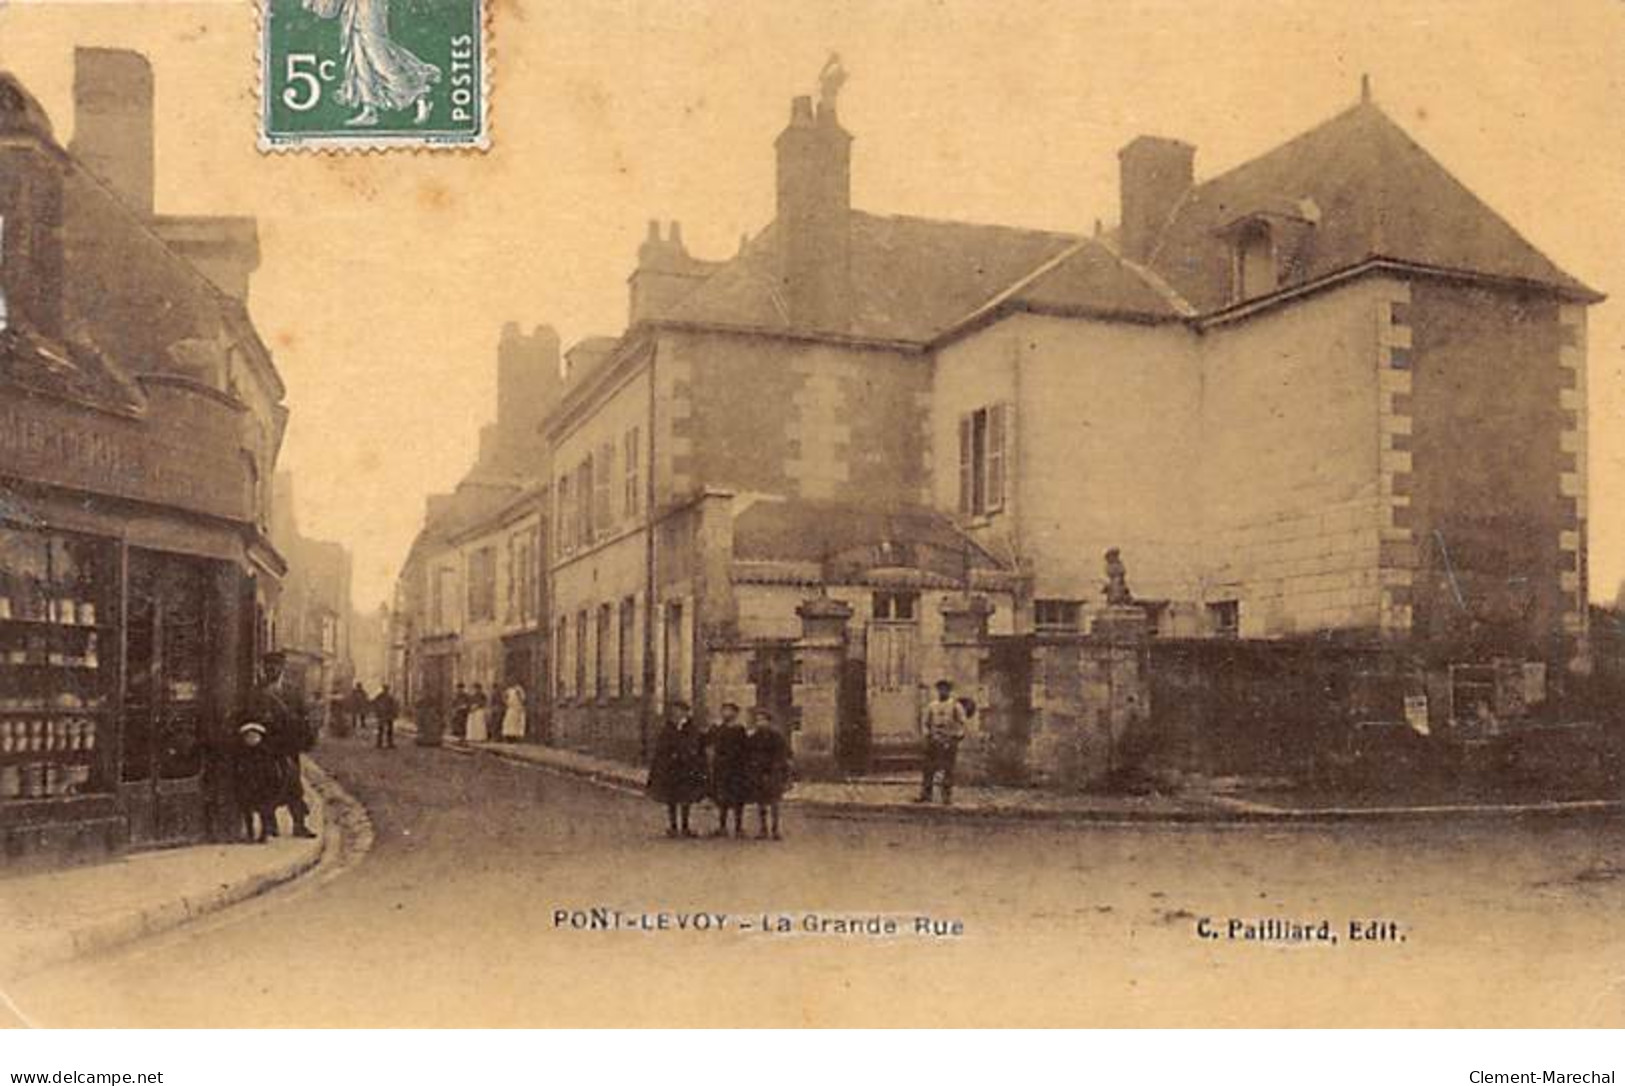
(729, 790)
(257, 780)
(767, 769)
(677, 770)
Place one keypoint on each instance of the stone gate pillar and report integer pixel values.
(964, 654)
(820, 655)
(1123, 698)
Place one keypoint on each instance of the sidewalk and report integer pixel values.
(893, 797)
(54, 916)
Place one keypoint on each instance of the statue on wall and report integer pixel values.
(1116, 591)
(830, 80)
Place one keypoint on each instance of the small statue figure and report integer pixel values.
(1116, 591)
(830, 80)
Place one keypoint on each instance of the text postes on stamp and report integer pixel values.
(357, 74)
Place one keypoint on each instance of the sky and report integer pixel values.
(386, 278)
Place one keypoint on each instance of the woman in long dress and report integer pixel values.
(513, 716)
(379, 73)
(478, 715)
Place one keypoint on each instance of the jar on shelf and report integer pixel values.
(87, 613)
(90, 735)
(11, 781)
(6, 732)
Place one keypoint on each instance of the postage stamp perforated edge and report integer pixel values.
(359, 143)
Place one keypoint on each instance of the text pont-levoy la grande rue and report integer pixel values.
(603, 918)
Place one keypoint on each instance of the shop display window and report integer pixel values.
(58, 654)
(166, 698)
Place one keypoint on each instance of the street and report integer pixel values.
(450, 921)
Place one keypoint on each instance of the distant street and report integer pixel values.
(449, 922)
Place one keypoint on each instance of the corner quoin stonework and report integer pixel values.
(1571, 357)
(1397, 550)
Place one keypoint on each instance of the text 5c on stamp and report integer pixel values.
(361, 74)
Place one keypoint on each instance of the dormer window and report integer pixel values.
(1255, 273)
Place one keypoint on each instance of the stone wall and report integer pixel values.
(1290, 467)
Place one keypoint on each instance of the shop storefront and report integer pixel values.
(129, 628)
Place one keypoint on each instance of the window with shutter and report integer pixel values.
(631, 497)
(997, 428)
(967, 467)
(584, 502)
(603, 511)
(566, 521)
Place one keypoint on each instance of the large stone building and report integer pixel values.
(469, 600)
(140, 421)
(1327, 396)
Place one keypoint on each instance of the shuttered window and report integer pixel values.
(603, 514)
(984, 440)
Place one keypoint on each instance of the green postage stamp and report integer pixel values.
(359, 74)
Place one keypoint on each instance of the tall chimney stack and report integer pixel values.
(1154, 175)
(31, 169)
(814, 216)
(113, 122)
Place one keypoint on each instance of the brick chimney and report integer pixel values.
(665, 273)
(1154, 174)
(814, 217)
(112, 122)
(31, 170)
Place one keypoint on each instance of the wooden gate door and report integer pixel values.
(893, 683)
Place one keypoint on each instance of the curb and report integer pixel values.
(1224, 812)
(339, 809)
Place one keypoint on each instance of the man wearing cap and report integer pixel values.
(287, 734)
(942, 726)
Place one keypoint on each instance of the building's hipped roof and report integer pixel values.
(807, 530)
(1092, 279)
(912, 279)
(1373, 192)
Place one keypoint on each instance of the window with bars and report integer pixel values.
(1058, 615)
(983, 444)
(1224, 617)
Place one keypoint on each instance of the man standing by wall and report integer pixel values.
(942, 726)
(278, 706)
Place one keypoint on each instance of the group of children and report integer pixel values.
(733, 765)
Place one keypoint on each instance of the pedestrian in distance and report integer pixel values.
(384, 711)
(942, 728)
(460, 705)
(279, 708)
(513, 714)
(479, 713)
(729, 789)
(767, 770)
(357, 706)
(257, 782)
(677, 770)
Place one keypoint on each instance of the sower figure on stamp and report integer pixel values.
(767, 769)
(729, 789)
(287, 735)
(677, 771)
(379, 73)
(942, 726)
